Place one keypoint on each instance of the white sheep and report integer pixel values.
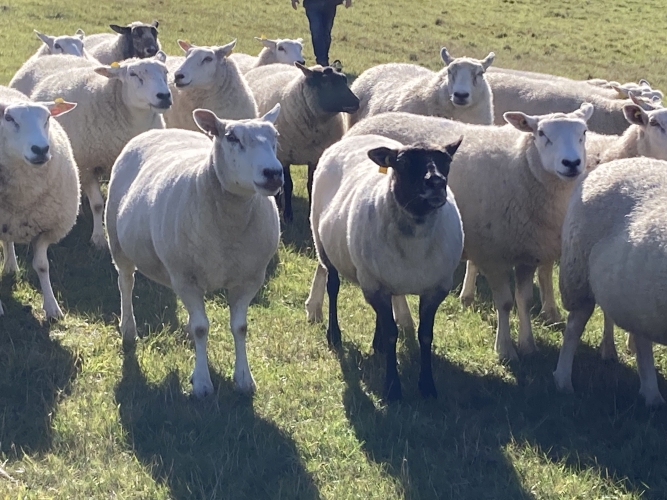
(36, 69)
(615, 254)
(207, 78)
(72, 45)
(115, 103)
(644, 137)
(458, 91)
(193, 215)
(392, 234)
(283, 51)
(134, 40)
(312, 100)
(536, 97)
(39, 183)
(511, 185)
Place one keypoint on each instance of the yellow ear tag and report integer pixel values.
(262, 36)
(59, 100)
(383, 170)
(115, 64)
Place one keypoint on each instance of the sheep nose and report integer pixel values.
(271, 173)
(163, 96)
(178, 76)
(571, 164)
(151, 51)
(436, 182)
(461, 95)
(40, 151)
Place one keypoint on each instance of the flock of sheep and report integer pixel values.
(409, 171)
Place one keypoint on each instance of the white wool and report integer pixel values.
(280, 50)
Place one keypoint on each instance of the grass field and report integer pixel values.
(78, 419)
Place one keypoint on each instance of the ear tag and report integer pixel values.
(382, 170)
(638, 115)
(59, 100)
(115, 64)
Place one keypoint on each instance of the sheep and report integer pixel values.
(644, 137)
(116, 103)
(39, 183)
(208, 79)
(535, 97)
(458, 91)
(312, 100)
(36, 69)
(392, 235)
(512, 188)
(193, 214)
(134, 40)
(616, 220)
(72, 45)
(284, 51)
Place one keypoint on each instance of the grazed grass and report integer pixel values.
(80, 420)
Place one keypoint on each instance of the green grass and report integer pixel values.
(78, 419)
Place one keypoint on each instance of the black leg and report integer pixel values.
(309, 184)
(381, 303)
(333, 284)
(287, 191)
(379, 343)
(428, 305)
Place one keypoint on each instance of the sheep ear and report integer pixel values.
(453, 147)
(644, 83)
(58, 107)
(299, 40)
(185, 46)
(155, 23)
(272, 115)
(48, 40)
(635, 115)
(521, 121)
(160, 56)
(269, 44)
(207, 121)
(306, 71)
(224, 50)
(643, 102)
(383, 156)
(121, 30)
(80, 33)
(108, 71)
(585, 111)
(622, 91)
(444, 55)
(488, 60)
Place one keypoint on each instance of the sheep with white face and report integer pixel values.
(281, 51)
(72, 45)
(195, 214)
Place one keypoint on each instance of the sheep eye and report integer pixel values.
(281, 49)
(9, 119)
(207, 59)
(232, 138)
(654, 123)
(540, 133)
(57, 46)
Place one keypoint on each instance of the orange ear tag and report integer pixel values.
(382, 170)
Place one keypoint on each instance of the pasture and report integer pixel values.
(81, 419)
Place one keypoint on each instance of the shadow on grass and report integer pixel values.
(216, 448)
(455, 447)
(296, 234)
(35, 372)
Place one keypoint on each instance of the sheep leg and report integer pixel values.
(428, 306)
(309, 184)
(630, 344)
(380, 301)
(523, 295)
(379, 344)
(193, 300)
(549, 313)
(10, 266)
(96, 201)
(402, 314)
(648, 380)
(287, 191)
(316, 297)
(576, 322)
(467, 295)
(607, 346)
(333, 285)
(128, 325)
(502, 298)
(40, 263)
(238, 322)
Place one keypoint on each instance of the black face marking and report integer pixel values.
(333, 94)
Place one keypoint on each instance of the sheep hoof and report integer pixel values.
(53, 311)
(201, 388)
(314, 313)
(551, 316)
(427, 387)
(654, 400)
(245, 385)
(563, 384)
(507, 353)
(392, 391)
(467, 300)
(333, 337)
(528, 347)
(99, 241)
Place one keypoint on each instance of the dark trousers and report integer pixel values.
(321, 19)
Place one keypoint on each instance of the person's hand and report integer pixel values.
(296, 2)
(348, 3)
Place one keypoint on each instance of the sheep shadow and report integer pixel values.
(456, 446)
(296, 235)
(36, 372)
(216, 448)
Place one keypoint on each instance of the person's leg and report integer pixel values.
(328, 21)
(316, 16)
